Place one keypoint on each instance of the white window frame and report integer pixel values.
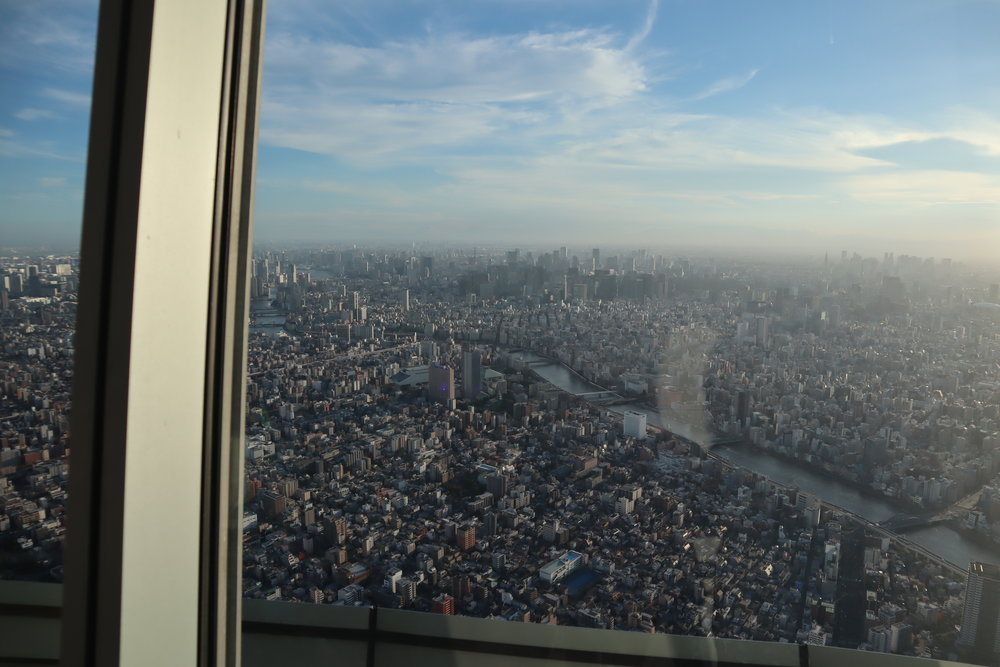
(153, 547)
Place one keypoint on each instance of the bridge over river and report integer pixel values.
(900, 523)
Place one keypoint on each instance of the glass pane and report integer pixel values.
(46, 66)
(669, 317)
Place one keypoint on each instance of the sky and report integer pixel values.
(763, 124)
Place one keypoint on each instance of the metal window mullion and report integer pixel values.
(225, 387)
(100, 382)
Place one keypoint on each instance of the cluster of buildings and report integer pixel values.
(37, 320)
(399, 452)
(554, 516)
(505, 497)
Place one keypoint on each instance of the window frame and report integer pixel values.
(153, 565)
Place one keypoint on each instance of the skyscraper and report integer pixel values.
(761, 335)
(980, 636)
(440, 384)
(635, 424)
(742, 407)
(472, 374)
(849, 607)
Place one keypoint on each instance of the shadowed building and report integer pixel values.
(980, 637)
(440, 384)
(472, 374)
(849, 611)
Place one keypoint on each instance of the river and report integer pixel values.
(941, 539)
(270, 321)
(265, 319)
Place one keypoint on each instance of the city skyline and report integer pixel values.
(780, 128)
(801, 452)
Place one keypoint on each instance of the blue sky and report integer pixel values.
(776, 125)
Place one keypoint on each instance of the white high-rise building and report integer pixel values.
(635, 424)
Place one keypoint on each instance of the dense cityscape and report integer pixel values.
(571, 437)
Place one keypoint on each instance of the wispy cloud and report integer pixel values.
(925, 188)
(726, 85)
(456, 69)
(34, 114)
(57, 37)
(647, 26)
(67, 97)
(12, 146)
(442, 89)
(25, 196)
(51, 182)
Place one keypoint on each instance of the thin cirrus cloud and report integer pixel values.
(451, 89)
(29, 114)
(458, 69)
(726, 85)
(68, 97)
(647, 26)
(56, 37)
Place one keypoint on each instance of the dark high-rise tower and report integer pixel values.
(472, 374)
(849, 608)
(980, 637)
(742, 407)
(440, 384)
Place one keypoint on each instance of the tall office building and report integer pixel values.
(490, 522)
(635, 424)
(849, 609)
(497, 485)
(980, 636)
(472, 374)
(761, 333)
(742, 407)
(440, 384)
